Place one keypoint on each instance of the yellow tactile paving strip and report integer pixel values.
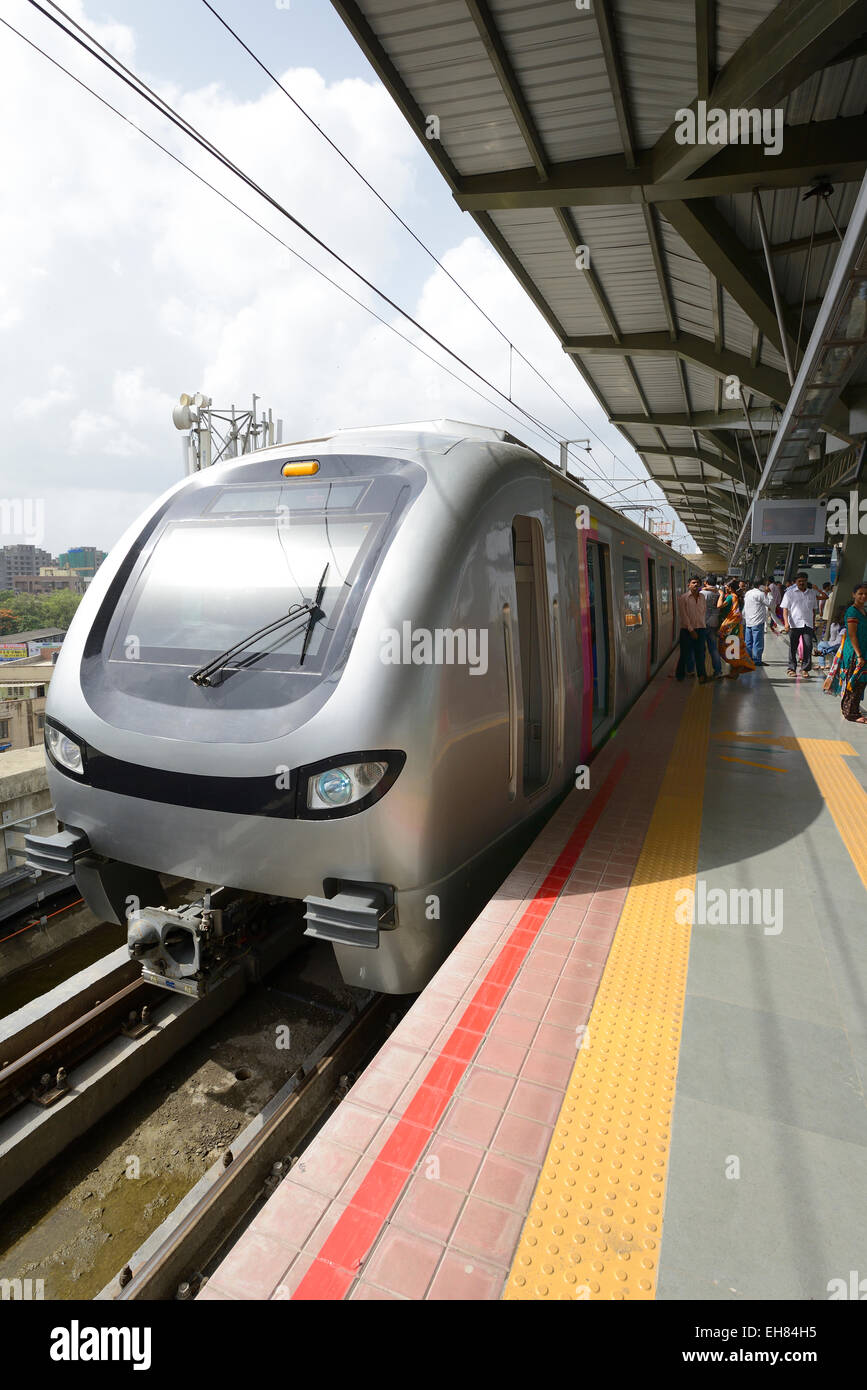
(845, 797)
(594, 1225)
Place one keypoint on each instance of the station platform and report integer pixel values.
(641, 1074)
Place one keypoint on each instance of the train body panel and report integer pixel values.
(472, 645)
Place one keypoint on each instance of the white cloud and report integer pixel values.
(124, 281)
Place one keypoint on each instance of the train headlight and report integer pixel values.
(66, 751)
(348, 784)
(340, 786)
(332, 788)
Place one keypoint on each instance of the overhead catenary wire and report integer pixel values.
(138, 86)
(407, 228)
(543, 432)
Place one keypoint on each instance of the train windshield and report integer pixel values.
(211, 581)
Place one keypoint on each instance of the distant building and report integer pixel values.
(19, 561)
(49, 580)
(22, 704)
(85, 560)
(25, 646)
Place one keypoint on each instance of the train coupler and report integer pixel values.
(188, 949)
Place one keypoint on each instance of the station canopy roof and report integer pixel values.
(561, 127)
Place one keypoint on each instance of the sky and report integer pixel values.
(124, 280)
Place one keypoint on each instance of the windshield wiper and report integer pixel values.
(315, 614)
(214, 671)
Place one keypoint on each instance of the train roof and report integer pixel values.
(413, 436)
(436, 438)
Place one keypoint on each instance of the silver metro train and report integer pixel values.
(355, 672)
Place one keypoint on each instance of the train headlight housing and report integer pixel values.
(65, 750)
(348, 784)
(340, 786)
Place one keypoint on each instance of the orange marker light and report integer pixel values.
(300, 470)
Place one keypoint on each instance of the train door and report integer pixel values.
(673, 609)
(654, 625)
(597, 586)
(535, 650)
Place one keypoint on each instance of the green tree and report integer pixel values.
(28, 611)
(58, 608)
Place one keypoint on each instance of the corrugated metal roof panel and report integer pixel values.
(689, 282)
(701, 385)
(660, 381)
(735, 21)
(622, 258)
(557, 56)
(538, 240)
(657, 50)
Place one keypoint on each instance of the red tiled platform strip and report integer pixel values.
(419, 1184)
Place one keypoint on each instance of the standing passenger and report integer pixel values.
(799, 613)
(776, 592)
(852, 675)
(691, 614)
(731, 642)
(756, 608)
(710, 594)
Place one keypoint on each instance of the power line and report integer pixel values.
(131, 79)
(548, 436)
(416, 238)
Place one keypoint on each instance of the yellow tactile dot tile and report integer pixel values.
(595, 1222)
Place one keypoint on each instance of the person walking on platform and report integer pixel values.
(731, 642)
(691, 613)
(852, 673)
(776, 593)
(757, 606)
(799, 615)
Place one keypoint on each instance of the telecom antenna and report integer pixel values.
(215, 435)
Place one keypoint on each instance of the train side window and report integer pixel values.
(534, 646)
(633, 594)
(664, 589)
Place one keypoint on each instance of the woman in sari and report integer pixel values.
(731, 641)
(851, 676)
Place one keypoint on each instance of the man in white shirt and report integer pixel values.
(757, 606)
(799, 615)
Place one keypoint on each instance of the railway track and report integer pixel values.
(173, 1261)
(41, 1075)
(199, 1077)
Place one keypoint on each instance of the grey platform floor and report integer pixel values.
(767, 1184)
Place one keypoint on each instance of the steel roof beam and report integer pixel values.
(710, 237)
(796, 39)
(507, 77)
(801, 243)
(705, 45)
(766, 381)
(700, 419)
(722, 465)
(605, 25)
(836, 149)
